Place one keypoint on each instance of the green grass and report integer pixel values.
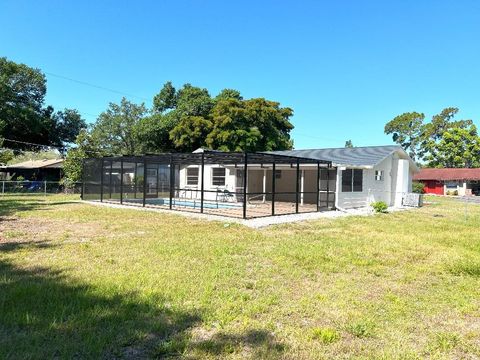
(80, 281)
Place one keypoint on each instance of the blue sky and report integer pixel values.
(345, 67)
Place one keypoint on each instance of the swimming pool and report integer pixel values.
(192, 203)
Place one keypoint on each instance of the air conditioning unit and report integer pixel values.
(413, 200)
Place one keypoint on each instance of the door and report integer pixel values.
(434, 187)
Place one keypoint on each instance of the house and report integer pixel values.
(450, 181)
(358, 177)
(40, 170)
(276, 183)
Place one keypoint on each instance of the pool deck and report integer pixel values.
(259, 222)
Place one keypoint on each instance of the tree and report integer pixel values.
(23, 116)
(250, 125)
(193, 101)
(407, 130)
(229, 94)
(458, 147)
(190, 133)
(153, 133)
(348, 144)
(85, 146)
(116, 129)
(166, 99)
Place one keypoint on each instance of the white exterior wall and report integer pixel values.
(229, 181)
(397, 180)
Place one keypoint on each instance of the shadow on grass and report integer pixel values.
(18, 245)
(254, 343)
(43, 314)
(9, 206)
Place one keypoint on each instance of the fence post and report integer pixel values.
(45, 187)
(202, 185)
(3, 187)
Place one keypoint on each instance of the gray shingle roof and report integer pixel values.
(356, 156)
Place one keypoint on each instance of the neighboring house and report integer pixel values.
(358, 177)
(440, 181)
(39, 170)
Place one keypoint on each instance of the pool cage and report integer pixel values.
(231, 184)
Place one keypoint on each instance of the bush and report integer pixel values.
(455, 192)
(379, 206)
(418, 187)
(325, 335)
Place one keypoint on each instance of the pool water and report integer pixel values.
(193, 203)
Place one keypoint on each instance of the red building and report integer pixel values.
(450, 181)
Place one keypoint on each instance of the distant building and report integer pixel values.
(40, 170)
(442, 181)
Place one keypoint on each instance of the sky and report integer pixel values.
(344, 67)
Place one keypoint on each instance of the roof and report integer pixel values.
(36, 164)
(367, 156)
(448, 174)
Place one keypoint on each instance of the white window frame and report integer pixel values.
(379, 175)
(188, 176)
(214, 177)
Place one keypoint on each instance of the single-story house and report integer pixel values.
(450, 181)
(276, 182)
(358, 176)
(39, 170)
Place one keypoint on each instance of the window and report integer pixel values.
(352, 180)
(379, 175)
(192, 176)
(218, 176)
(451, 185)
(278, 174)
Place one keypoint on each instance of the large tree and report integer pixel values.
(442, 142)
(407, 130)
(23, 116)
(250, 125)
(458, 147)
(116, 129)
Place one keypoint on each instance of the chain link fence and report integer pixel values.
(39, 187)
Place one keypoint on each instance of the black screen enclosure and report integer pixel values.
(230, 184)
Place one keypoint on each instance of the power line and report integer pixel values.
(43, 145)
(97, 86)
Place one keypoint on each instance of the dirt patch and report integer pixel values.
(41, 230)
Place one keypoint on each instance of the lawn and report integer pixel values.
(81, 281)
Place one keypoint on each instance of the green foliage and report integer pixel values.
(6, 155)
(23, 116)
(250, 125)
(418, 187)
(116, 129)
(190, 133)
(457, 147)
(406, 130)
(379, 206)
(166, 99)
(85, 147)
(442, 142)
(361, 329)
(325, 335)
(349, 144)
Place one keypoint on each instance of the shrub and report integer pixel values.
(379, 206)
(455, 193)
(361, 329)
(325, 335)
(418, 187)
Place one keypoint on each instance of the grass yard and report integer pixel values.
(81, 281)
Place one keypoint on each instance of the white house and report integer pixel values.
(358, 177)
